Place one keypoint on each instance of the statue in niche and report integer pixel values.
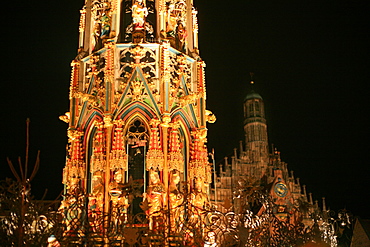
(180, 37)
(171, 22)
(139, 12)
(155, 196)
(118, 197)
(96, 200)
(95, 39)
(115, 188)
(105, 28)
(199, 201)
(97, 184)
(176, 199)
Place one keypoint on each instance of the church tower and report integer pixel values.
(137, 117)
(255, 130)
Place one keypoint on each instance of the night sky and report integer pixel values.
(310, 61)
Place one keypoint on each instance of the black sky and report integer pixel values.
(311, 66)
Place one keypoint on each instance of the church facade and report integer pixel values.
(255, 168)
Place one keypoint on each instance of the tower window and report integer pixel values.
(251, 108)
(257, 106)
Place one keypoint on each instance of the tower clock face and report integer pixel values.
(280, 189)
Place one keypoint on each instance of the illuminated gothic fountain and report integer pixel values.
(137, 171)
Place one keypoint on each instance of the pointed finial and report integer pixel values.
(323, 204)
(251, 75)
(304, 191)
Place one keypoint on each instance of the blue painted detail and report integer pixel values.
(184, 117)
(173, 50)
(191, 108)
(82, 113)
(184, 86)
(134, 107)
(91, 83)
(107, 95)
(85, 59)
(82, 117)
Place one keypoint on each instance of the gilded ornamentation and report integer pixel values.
(118, 156)
(82, 19)
(109, 58)
(73, 134)
(98, 159)
(66, 117)
(137, 89)
(199, 165)
(73, 89)
(201, 79)
(107, 121)
(154, 156)
(138, 52)
(166, 119)
(175, 156)
(188, 99)
(210, 117)
(75, 165)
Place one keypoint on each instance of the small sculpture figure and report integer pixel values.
(171, 21)
(200, 203)
(96, 37)
(199, 199)
(139, 12)
(156, 192)
(176, 199)
(116, 189)
(155, 197)
(180, 37)
(105, 28)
